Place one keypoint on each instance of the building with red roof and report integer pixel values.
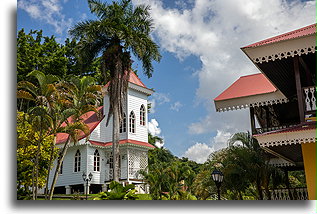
(282, 103)
(93, 152)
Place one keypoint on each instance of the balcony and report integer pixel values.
(310, 99)
(268, 129)
(287, 194)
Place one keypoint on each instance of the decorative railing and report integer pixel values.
(310, 98)
(268, 129)
(287, 194)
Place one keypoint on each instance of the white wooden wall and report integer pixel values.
(135, 100)
(69, 177)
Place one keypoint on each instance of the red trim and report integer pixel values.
(298, 128)
(121, 142)
(249, 85)
(305, 31)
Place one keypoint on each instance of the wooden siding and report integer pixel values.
(135, 100)
(69, 177)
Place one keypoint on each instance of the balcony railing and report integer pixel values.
(287, 194)
(310, 98)
(268, 129)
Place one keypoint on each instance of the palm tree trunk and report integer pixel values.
(37, 165)
(33, 183)
(58, 167)
(115, 144)
(49, 166)
(37, 169)
(258, 186)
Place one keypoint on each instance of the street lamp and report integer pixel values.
(87, 179)
(217, 177)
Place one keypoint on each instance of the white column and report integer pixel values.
(104, 188)
(68, 189)
(86, 188)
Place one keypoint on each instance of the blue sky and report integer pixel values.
(200, 44)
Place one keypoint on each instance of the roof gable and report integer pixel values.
(249, 91)
(247, 86)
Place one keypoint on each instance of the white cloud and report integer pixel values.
(176, 106)
(214, 31)
(48, 11)
(153, 128)
(199, 152)
(161, 98)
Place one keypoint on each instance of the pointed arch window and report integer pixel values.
(132, 122)
(142, 115)
(77, 161)
(96, 161)
(123, 125)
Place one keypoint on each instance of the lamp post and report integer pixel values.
(87, 179)
(217, 177)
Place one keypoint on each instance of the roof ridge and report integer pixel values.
(269, 40)
(251, 75)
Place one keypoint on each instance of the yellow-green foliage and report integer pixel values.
(27, 139)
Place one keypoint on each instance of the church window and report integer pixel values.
(123, 124)
(132, 122)
(96, 161)
(77, 161)
(142, 115)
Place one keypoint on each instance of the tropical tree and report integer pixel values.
(28, 156)
(120, 29)
(79, 95)
(43, 96)
(252, 161)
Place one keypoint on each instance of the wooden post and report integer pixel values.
(253, 130)
(299, 90)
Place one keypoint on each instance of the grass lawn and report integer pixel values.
(90, 197)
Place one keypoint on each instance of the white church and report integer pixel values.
(93, 153)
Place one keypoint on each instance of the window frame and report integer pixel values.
(142, 115)
(123, 125)
(96, 161)
(132, 122)
(77, 161)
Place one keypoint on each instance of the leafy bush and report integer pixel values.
(118, 192)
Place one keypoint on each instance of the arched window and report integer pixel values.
(77, 162)
(132, 122)
(123, 125)
(142, 115)
(96, 161)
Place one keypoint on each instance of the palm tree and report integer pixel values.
(256, 162)
(120, 29)
(44, 96)
(79, 95)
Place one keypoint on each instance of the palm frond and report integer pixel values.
(21, 94)
(40, 76)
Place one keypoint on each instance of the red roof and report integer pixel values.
(133, 79)
(249, 85)
(91, 119)
(121, 142)
(305, 31)
(300, 127)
